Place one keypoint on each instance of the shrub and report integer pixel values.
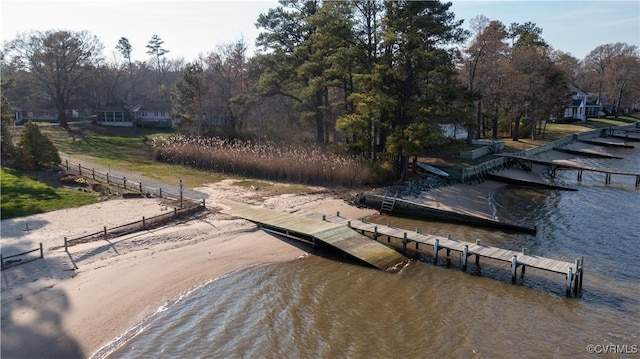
(35, 150)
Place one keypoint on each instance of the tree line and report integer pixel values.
(376, 76)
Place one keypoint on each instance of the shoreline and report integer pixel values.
(82, 303)
(49, 309)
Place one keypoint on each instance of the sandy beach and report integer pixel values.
(70, 305)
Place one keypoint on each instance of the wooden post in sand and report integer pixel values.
(66, 249)
(41, 251)
(105, 233)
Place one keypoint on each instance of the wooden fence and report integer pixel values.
(131, 227)
(121, 182)
(4, 263)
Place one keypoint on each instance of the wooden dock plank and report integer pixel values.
(334, 234)
(481, 250)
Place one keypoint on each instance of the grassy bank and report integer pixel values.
(23, 195)
(125, 149)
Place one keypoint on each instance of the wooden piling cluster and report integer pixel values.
(573, 271)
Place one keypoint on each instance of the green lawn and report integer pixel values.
(125, 149)
(22, 195)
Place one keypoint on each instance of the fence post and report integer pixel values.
(144, 224)
(175, 211)
(93, 173)
(41, 251)
(66, 249)
(203, 203)
(66, 163)
(160, 192)
(140, 186)
(108, 179)
(105, 233)
(80, 169)
(124, 182)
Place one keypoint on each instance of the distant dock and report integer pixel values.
(566, 165)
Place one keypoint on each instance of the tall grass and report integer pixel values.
(307, 165)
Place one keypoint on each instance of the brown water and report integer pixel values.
(326, 307)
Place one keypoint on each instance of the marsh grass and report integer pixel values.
(299, 164)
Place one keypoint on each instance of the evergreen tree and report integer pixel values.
(188, 99)
(35, 149)
(6, 121)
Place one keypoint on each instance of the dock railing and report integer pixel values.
(479, 172)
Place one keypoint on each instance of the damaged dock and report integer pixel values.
(317, 231)
(573, 271)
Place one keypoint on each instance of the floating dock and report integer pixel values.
(335, 235)
(573, 271)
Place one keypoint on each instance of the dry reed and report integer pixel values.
(308, 165)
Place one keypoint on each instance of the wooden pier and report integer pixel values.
(335, 235)
(565, 165)
(573, 271)
(626, 134)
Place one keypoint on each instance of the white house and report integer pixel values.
(580, 108)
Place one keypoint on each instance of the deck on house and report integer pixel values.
(332, 234)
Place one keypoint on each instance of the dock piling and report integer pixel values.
(465, 254)
(436, 244)
(514, 267)
(404, 243)
(569, 279)
(581, 273)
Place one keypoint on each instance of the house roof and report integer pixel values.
(112, 108)
(573, 88)
(153, 106)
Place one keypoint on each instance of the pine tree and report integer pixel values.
(35, 149)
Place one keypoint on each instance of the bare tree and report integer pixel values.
(226, 71)
(58, 62)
